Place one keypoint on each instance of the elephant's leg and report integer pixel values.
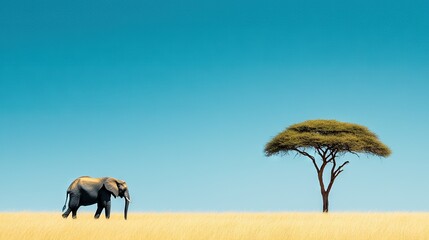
(99, 210)
(107, 210)
(74, 212)
(74, 205)
(66, 213)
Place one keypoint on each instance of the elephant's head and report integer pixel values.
(119, 188)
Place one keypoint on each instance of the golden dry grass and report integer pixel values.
(219, 226)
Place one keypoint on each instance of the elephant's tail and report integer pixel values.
(65, 203)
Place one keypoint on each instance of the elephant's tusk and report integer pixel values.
(128, 199)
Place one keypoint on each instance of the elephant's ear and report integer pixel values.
(112, 186)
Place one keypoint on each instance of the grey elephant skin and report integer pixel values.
(86, 191)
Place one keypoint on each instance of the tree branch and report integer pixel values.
(339, 169)
(331, 182)
(338, 173)
(320, 152)
(353, 153)
(335, 172)
(332, 155)
(309, 156)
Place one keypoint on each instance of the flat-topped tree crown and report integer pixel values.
(329, 139)
(341, 136)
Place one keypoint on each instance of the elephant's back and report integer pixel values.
(88, 185)
(73, 185)
(82, 181)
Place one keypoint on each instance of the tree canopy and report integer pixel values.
(342, 136)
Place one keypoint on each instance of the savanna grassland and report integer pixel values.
(219, 226)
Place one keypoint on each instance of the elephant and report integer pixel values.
(86, 191)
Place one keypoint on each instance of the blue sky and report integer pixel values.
(178, 98)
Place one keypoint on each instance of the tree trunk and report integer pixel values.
(325, 197)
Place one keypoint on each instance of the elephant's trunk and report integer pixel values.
(127, 202)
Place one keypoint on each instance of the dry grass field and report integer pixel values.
(219, 226)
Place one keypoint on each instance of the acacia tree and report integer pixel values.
(323, 141)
